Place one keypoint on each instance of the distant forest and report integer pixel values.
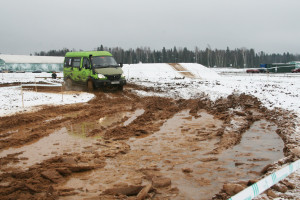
(237, 58)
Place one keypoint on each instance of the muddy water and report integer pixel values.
(179, 151)
(185, 141)
(67, 140)
(259, 146)
(178, 139)
(108, 121)
(55, 144)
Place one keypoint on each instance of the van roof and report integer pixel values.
(87, 53)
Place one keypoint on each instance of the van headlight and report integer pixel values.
(123, 75)
(101, 76)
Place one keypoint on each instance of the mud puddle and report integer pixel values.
(131, 142)
(260, 146)
(179, 151)
(55, 144)
(70, 139)
(176, 145)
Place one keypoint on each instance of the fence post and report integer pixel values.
(62, 93)
(22, 96)
(35, 84)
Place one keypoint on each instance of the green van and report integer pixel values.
(93, 69)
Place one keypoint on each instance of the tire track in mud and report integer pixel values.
(182, 70)
(51, 178)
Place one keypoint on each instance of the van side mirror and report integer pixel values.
(121, 64)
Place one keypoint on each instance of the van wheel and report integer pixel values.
(90, 86)
(120, 87)
(68, 84)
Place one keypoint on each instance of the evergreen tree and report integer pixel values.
(238, 58)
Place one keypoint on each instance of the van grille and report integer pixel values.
(113, 77)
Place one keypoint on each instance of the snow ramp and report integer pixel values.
(163, 71)
(183, 71)
(195, 71)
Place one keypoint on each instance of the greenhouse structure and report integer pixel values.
(26, 63)
(281, 67)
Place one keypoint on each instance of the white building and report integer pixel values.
(31, 63)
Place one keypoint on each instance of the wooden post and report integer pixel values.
(35, 84)
(143, 193)
(62, 92)
(22, 96)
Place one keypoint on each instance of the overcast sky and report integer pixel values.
(28, 26)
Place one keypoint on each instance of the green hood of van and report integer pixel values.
(109, 71)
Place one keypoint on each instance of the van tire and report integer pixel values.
(90, 86)
(68, 84)
(120, 88)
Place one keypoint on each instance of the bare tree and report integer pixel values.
(220, 58)
(208, 55)
(244, 54)
(196, 54)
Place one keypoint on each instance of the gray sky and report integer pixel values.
(29, 26)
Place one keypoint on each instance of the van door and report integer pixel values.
(76, 75)
(85, 69)
(68, 67)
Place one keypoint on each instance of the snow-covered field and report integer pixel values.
(14, 99)
(273, 90)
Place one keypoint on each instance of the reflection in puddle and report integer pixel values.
(133, 116)
(117, 118)
(97, 129)
(110, 120)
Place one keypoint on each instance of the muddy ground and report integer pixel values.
(123, 146)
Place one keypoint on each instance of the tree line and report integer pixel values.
(237, 58)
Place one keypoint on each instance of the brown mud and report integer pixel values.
(123, 146)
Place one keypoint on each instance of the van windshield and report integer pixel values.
(103, 61)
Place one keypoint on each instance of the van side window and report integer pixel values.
(76, 62)
(85, 62)
(68, 62)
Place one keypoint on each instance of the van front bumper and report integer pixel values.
(101, 83)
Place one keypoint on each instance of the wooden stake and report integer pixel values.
(62, 93)
(35, 84)
(22, 96)
(143, 193)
